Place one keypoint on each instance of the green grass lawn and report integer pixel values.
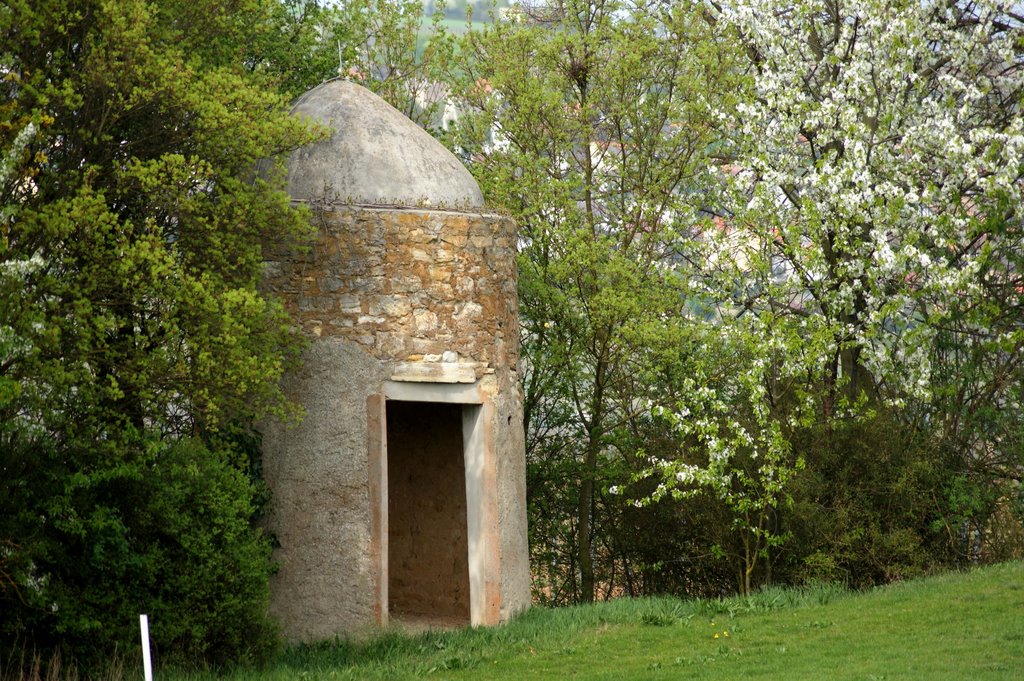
(956, 626)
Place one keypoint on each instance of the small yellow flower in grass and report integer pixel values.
(716, 635)
(725, 633)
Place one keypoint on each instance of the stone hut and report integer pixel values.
(401, 494)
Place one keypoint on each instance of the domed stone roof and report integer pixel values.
(375, 155)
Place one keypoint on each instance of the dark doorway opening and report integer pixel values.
(428, 551)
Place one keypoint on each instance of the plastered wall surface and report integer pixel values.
(374, 155)
(317, 472)
(510, 446)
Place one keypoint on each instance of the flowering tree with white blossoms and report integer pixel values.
(876, 169)
(881, 155)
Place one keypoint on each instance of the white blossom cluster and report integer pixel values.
(9, 159)
(9, 165)
(13, 274)
(873, 153)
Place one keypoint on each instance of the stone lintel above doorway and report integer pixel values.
(452, 393)
(434, 372)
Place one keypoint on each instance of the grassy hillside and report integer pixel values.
(955, 626)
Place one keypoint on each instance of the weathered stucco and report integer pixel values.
(510, 457)
(409, 307)
(374, 155)
(319, 513)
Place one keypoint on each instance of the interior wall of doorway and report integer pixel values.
(465, 403)
(428, 548)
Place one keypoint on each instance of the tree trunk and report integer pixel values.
(586, 510)
(587, 479)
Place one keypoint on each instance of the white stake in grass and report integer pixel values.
(147, 663)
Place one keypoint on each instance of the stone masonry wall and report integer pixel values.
(407, 285)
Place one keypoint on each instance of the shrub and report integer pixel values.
(167, 531)
(867, 505)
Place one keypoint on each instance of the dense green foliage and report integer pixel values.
(771, 325)
(131, 227)
(591, 127)
(732, 378)
(166, 532)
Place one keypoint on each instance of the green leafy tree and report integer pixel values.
(131, 225)
(864, 239)
(402, 55)
(297, 44)
(593, 129)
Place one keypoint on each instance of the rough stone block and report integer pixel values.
(440, 273)
(394, 307)
(425, 321)
(468, 312)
